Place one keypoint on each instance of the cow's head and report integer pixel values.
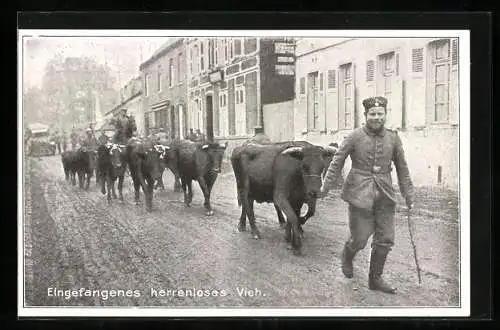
(329, 152)
(116, 151)
(215, 152)
(311, 167)
(153, 155)
(162, 150)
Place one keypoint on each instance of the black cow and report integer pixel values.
(327, 156)
(200, 161)
(81, 162)
(111, 165)
(68, 162)
(287, 174)
(170, 163)
(144, 158)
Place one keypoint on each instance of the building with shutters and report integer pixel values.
(230, 80)
(418, 76)
(164, 95)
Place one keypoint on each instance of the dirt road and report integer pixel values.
(74, 240)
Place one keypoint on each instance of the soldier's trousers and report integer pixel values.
(378, 222)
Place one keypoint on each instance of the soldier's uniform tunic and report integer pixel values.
(368, 187)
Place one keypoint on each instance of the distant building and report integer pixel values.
(164, 97)
(231, 80)
(418, 76)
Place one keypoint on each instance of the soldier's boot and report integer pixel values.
(377, 262)
(347, 257)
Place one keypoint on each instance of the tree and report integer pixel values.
(69, 86)
(32, 100)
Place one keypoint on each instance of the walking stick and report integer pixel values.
(410, 229)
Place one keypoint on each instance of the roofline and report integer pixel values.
(325, 47)
(167, 48)
(123, 103)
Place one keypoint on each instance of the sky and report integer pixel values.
(122, 54)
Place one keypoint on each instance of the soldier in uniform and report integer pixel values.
(103, 138)
(368, 189)
(74, 139)
(90, 141)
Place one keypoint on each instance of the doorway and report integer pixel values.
(210, 118)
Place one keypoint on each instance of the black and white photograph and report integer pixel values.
(243, 173)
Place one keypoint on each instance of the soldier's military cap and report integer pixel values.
(377, 101)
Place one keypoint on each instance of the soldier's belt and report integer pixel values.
(373, 170)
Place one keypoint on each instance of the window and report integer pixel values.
(146, 84)
(440, 79)
(388, 71)
(332, 78)
(223, 115)
(202, 58)
(240, 111)
(417, 59)
(346, 103)
(196, 66)
(171, 72)
(225, 50)
(313, 100)
(191, 62)
(216, 52)
(231, 49)
(370, 70)
(302, 85)
(237, 47)
(250, 45)
(180, 68)
(158, 79)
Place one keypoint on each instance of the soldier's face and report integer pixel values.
(375, 118)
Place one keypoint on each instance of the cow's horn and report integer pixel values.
(331, 148)
(205, 146)
(292, 149)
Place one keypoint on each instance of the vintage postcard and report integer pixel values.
(243, 173)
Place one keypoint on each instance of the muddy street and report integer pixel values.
(74, 239)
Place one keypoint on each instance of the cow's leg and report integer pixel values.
(297, 207)
(251, 218)
(103, 183)
(149, 194)
(189, 191)
(110, 187)
(113, 190)
(242, 225)
(185, 191)
(81, 178)
(177, 183)
(66, 174)
(89, 176)
(73, 177)
(206, 194)
(292, 222)
(120, 186)
(243, 196)
(281, 219)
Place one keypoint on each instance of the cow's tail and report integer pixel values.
(238, 172)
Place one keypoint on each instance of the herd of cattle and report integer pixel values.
(287, 174)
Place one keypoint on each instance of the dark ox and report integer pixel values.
(144, 160)
(81, 162)
(327, 156)
(170, 163)
(200, 161)
(111, 165)
(287, 174)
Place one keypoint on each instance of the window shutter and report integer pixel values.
(370, 70)
(417, 56)
(321, 81)
(332, 79)
(454, 51)
(302, 85)
(396, 59)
